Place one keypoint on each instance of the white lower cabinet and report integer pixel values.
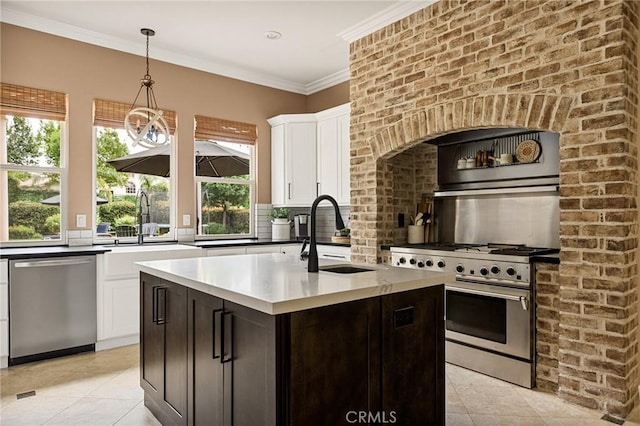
(4, 313)
(119, 290)
(334, 252)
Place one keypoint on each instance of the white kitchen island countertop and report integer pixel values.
(276, 283)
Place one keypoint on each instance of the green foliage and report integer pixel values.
(49, 137)
(52, 224)
(31, 214)
(216, 228)
(125, 220)
(279, 213)
(237, 220)
(154, 183)
(109, 147)
(112, 211)
(22, 146)
(22, 232)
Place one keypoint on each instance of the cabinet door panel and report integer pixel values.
(278, 178)
(175, 315)
(206, 400)
(250, 385)
(301, 163)
(151, 339)
(328, 151)
(344, 161)
(335, 364)
(414, 321)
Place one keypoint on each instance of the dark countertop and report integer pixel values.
(256, 242)
(50, 251)
(547, 258)
(65, 251)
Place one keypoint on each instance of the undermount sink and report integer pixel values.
(344, 269)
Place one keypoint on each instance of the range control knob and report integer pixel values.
(511, 270)
(459, 268)
(429, 263)
(440, 263)
(421, 264)
(484, 270)
(495, 270)
(403, 260)
(412, 261)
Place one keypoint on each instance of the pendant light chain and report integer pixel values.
(146, 125)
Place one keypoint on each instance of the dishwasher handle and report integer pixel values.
(53, 262)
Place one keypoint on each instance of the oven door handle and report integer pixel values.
(524, 301)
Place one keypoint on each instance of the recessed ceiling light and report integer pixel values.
(272, 35)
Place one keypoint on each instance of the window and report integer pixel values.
(224, 152)
(32, 138)
(133, 186)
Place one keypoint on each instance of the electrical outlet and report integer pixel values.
(81, 221)
(186, 220)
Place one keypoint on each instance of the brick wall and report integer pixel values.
(547, 326)
(564, 66)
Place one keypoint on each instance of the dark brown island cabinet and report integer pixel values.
(208, 361)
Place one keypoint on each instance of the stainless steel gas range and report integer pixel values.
(490, 308)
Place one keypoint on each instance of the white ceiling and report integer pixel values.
(224, 37)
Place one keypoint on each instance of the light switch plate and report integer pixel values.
(81, 221)
(186, 220)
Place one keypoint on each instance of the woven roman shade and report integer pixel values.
(111, 114)
(209, 128)
(29, 102)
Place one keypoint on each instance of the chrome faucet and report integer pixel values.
(148, 215)
(313, 251)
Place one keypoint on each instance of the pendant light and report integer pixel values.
(146, 125)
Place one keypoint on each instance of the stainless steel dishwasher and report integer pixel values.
(52, 307)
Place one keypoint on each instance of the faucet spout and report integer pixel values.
(313, 251)
(140, 215)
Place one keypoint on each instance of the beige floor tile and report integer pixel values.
(557, 421)
(125, 385)
(71, 383)
(501, 401)
(492, 420)
(93, 411)
(138, 416)
(458, 420)
(34, 410)
(549, 405)
(454, 404)
(462, 377)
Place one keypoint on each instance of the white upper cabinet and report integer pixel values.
(333, 153)
(293, 160)
(310, 156)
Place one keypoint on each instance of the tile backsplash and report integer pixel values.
(325, 220)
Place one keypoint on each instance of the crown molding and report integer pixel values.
(328, 81)
(49, 26)
(383, 18)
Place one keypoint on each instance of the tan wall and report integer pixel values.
(86, 72)
(328, 98)
(564, 66)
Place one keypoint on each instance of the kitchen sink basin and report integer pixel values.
(344, 269)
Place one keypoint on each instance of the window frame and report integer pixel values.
(251, 182)
(6, 167)
(172, 235)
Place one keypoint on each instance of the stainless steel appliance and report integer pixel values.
(52, 307)
(490, 307)
(301, 226)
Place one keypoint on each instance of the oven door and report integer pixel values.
(489, 317)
